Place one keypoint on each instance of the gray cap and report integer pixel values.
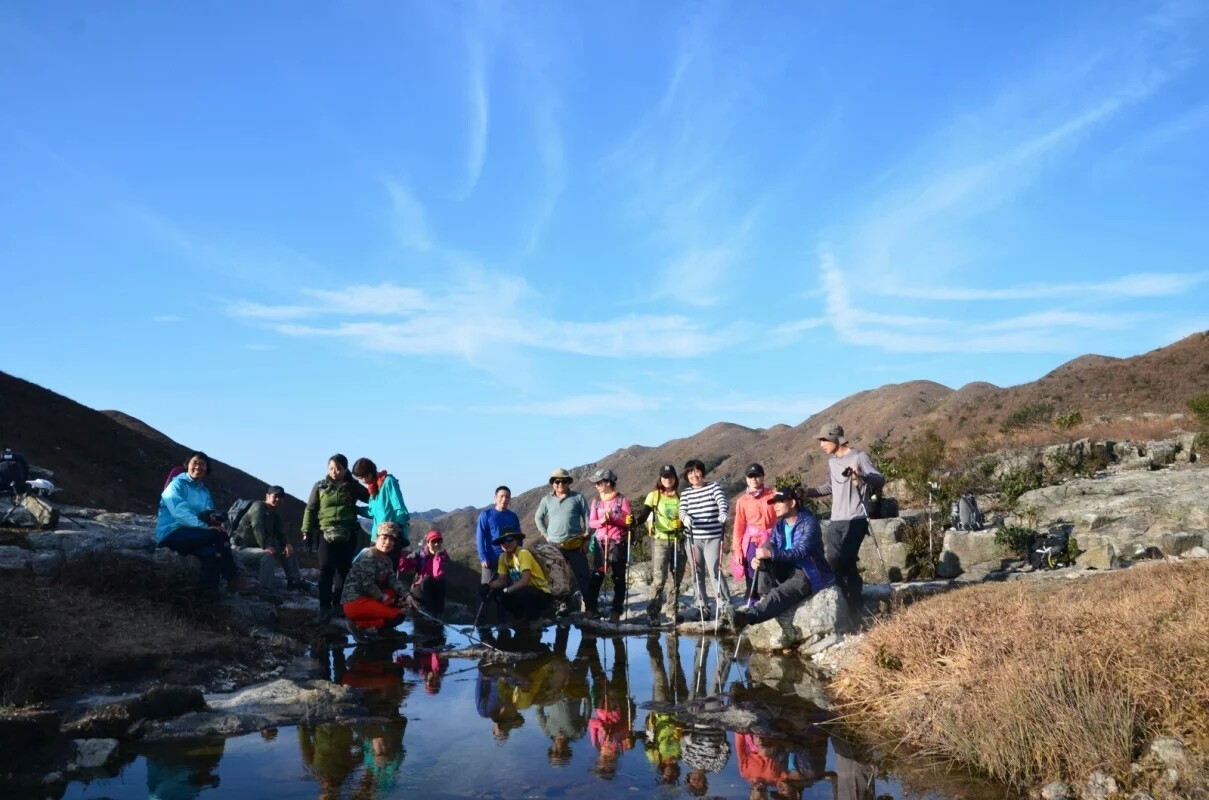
(275, 490)
(603, 475)
(833, 433)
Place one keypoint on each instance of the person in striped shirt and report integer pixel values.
(703, 510)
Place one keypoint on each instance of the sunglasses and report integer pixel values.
(510, 540)
(563, 481)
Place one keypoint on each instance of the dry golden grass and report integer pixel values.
(1031, 682)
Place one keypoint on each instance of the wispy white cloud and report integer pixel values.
(1143, 284)
(472, 313)
(477, 97)
(787, 329)
(912, 240)
(410, 217)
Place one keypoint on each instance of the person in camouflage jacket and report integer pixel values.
(373, 594)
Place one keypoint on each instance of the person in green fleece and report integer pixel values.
(330, 520)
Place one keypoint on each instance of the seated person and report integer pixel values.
(428, 564)
(520, 587)
(188, 524)
(14, 472)
(373, 594)
(790, 566)
(260, 526)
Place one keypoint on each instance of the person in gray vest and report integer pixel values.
(852, 477)
(260, 526)
(562, 517)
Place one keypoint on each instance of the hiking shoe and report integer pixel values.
(591, 613)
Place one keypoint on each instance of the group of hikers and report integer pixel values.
(367, 579)
(778, 548)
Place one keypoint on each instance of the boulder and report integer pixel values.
(810, 627)
(965, 549)
(94, 753)
(1176, 544)
(1100, 786)
(1161, 454)
(1057, 790)
(1100, 556)
(14, 559)
(1197, 552)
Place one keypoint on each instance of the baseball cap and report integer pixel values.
(754, 470)
(275, 489)
(667, 471)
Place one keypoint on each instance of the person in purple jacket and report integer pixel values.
(791, 565)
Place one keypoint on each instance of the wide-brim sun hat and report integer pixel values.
(834, 433)
(508, 534)
(561, 474)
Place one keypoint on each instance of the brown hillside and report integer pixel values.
(107, 459)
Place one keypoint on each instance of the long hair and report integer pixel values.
(675, 482)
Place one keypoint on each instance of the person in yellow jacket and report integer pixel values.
(667, 559)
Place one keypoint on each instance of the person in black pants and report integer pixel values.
(330, 520)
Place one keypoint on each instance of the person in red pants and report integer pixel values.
(373, 594)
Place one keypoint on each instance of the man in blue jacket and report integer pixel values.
(791, 565)
(492, 521)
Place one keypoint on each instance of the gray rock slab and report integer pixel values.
(94, 753)
(14, 559)
(807, 625)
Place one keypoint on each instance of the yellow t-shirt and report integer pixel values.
(514, 566)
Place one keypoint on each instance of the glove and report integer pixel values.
(497, 594)
(629, 520)
(484, 590)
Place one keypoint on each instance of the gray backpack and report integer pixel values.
(969, 518)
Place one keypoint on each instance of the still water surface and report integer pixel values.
(594, 717)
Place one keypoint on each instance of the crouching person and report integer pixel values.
(790, 566)
(373, 596)
(261, 526)
(428, 564)
(188, 524)
(520, 587)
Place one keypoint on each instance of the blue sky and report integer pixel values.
(478, 241)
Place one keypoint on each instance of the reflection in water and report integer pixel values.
(581, 690)
(181, 773)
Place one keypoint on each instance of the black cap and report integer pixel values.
(275, 490)
(667, 471)
(753, 470)
(782, 496)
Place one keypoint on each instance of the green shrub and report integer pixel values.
(1199, 406)
(1064, 422)
(1015, 538)
(1015, 483)
(1027, 416)
(919, 460)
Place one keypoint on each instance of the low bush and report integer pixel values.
(1015, 538)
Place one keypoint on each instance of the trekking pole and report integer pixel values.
(625, 608)
(478, 614)
(739, 639)
(444, 624)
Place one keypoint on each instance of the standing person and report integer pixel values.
(610, 517)
(331, 520)
(852, 477)
(188, 524)
(261, 526)
(562, 517)
(665, 527)
(385, 501)
(703, 510)
(429, 564)
(754, 519)
(493, 521)
(790, 566)
(520, 587)
(373, 595)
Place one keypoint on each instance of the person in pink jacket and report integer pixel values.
(429, 564)
(610, 518)
(754, 520)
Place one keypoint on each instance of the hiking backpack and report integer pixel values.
(969, 518)
(235, 514)
(14, 471)
(558, 573)
(1050, 552)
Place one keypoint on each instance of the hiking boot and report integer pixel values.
(591, 613)
(652, 616)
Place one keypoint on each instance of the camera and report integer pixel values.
(847, 473)
(211, 517)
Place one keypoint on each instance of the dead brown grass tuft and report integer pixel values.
(110, 620)
(1031, 682)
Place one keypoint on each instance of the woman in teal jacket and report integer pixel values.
(385, 502)
(188, 524)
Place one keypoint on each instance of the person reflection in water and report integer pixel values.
(382, 755)
(611, 726)
(705, 749)
(330, 753)
(565, 720)
(173, 774)
(785, 767)
(662, 742)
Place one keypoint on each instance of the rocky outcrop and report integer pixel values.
(809, 628)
